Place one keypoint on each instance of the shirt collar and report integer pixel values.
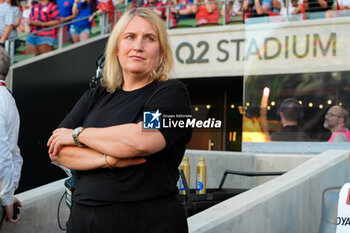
(2, 81)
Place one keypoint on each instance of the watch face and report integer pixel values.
(75, 134)
(77, 130)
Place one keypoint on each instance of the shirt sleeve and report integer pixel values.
(31, 15)
(172, 98)
(76, 117)
(339, 137)
(17, 162)
(7, 168)
(17, 12)
(9, 20)
(161, 8)
(267, 4)
(54, 13)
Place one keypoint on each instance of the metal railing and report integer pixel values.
(103, 25)
(105, 28)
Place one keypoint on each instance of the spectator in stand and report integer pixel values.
(342, 7)
(182, 10)
(138, 3)
(336, 120)
(207, 13)
(16, 20)
(233, 9)
(294, 7)
(291, 113)
(107, 6)
(43, 15)
(159, 8)
(10, 156)
(318, 8)
(81, 29)
(6, 21)
(257, 8)
(24, 25)
(66, 14)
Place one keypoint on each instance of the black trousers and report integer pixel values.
(162, 215)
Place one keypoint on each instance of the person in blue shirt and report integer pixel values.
(66, 14)
(257, 8)
(84, 11)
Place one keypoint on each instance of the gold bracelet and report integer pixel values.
(106, 163)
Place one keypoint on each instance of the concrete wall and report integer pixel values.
(289, 203)
(219, 161)
(39, 211)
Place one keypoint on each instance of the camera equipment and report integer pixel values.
(99, 72)
(67, 195)
(16, 211)
(69, 183)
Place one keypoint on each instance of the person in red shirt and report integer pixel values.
(207, 13)
(157, 6)
(108, 7)
(160, 9)
(44, 15)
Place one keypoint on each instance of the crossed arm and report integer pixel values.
(124, 144)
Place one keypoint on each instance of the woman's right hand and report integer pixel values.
(60, 137)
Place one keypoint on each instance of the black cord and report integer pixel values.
(58, 213)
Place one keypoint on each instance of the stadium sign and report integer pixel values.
(275, 48)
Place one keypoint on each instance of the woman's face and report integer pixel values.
(139, 50)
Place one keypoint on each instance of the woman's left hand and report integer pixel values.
(60, 137)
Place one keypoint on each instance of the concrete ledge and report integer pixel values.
(292, 147)
(39, 211)
(290, 203)
(218, 161)
(40, 205)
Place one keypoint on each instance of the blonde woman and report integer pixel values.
(125, 175)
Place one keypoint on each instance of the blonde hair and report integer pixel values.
(113, 73)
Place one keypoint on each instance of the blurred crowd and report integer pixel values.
(37, 17)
